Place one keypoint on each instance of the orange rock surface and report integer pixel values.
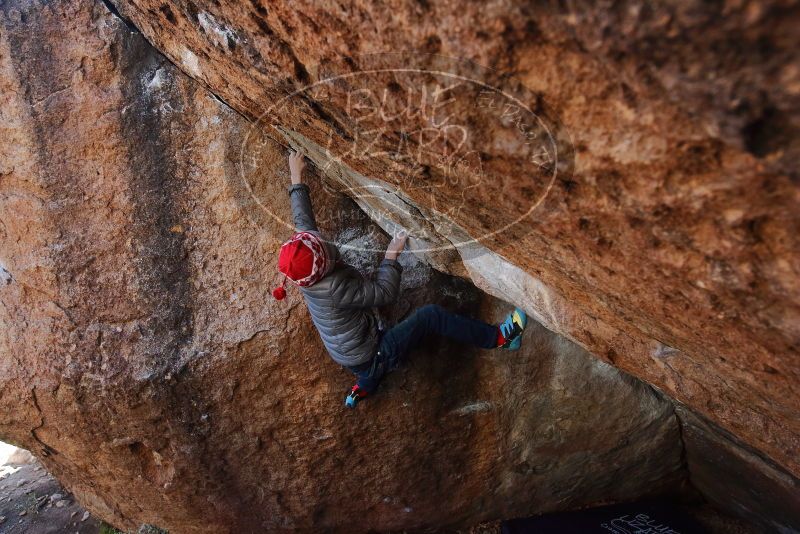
(145, 362)
(624, 173)
(668, 244)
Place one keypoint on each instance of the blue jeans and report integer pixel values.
(408, 334)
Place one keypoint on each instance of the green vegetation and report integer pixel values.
(105, 528)
(150, 529)
(31, 504)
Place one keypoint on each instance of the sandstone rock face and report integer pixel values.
(668, 242)
(739, 479)
(142, 357)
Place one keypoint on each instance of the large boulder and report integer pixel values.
(667, 241)
(144, 360)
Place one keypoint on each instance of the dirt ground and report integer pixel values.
(33, 502)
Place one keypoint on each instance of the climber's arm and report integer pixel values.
(300, 196)
(358, 292)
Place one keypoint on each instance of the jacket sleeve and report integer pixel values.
(302, 213)
(359, 292)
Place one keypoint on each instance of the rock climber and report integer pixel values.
(340, 301)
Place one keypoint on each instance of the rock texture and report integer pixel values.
(668, 243)
(142, 358)
(739, 479)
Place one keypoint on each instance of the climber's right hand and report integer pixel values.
(296, 165)
(397, 245)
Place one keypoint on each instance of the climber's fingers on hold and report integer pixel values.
(398, 241)
(297, 162)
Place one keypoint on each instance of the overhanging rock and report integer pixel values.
(144, 360)
(677, 232)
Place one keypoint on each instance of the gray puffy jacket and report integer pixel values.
(340, 304)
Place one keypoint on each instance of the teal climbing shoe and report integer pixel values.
(512, 329)
(356, 394)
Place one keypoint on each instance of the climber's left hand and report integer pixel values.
(296, 165)
(397, 245)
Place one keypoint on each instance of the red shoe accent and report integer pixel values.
(501, 340)
(358, 391)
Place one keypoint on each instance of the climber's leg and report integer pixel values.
(409, 333)
(425, 321)
(433, 319)
(368, 376)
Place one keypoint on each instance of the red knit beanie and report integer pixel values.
(296, 260)
(303, 260)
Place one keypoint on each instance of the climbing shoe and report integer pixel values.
(356, 394)
(511, 330)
